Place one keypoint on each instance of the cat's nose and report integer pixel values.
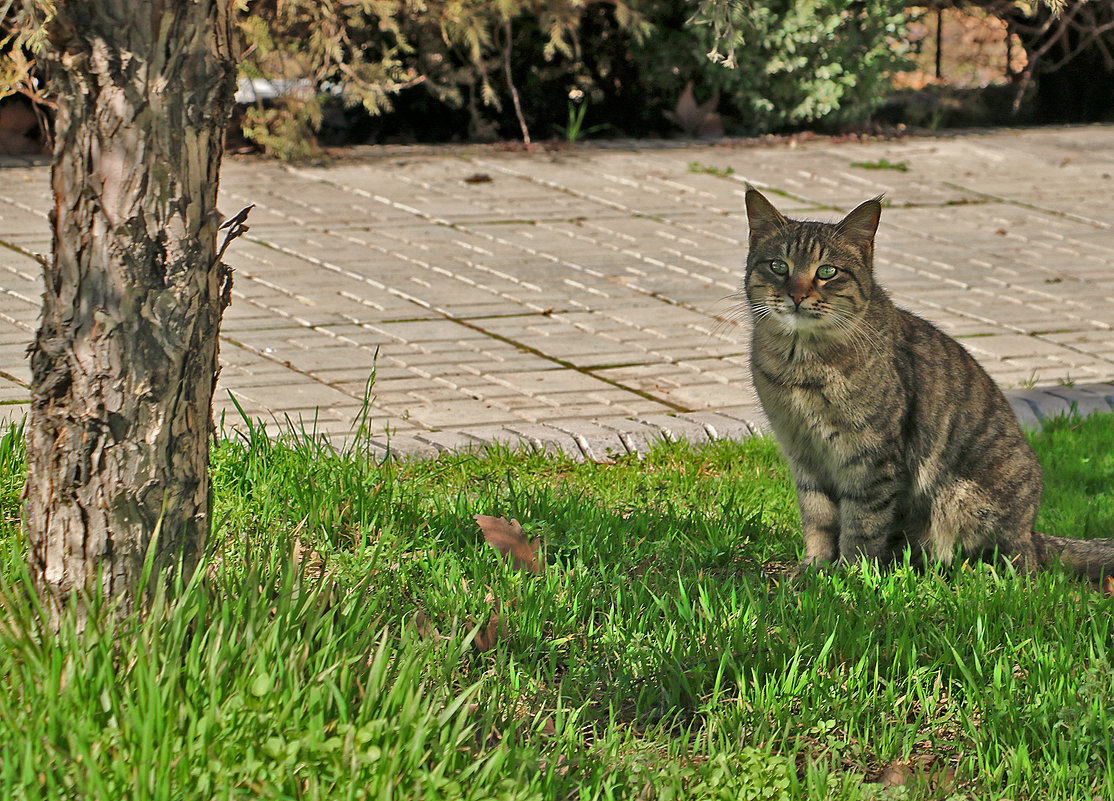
(798, 290)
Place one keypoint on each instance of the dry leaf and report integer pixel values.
(938, 774)
(1108, 586)
(488, 635)
(510, 540)
(895, 775)
(697, 120)
(424, 626)
(492, 629)
(311, 562)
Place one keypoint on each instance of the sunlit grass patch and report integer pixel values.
(660, 653)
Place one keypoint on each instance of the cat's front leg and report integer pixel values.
(819, 525)
(868, 522)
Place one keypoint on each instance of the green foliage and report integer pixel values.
(575, 129)
(363, 52)
(708, 169)
(13, 459)
(661, 655)
(882, 164)
(22, 38)
(345, 52)
(787, 62)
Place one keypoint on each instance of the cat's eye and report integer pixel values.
(825, 271)
(778, 267)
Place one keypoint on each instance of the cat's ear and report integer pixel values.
(764, 219)
(860, 225)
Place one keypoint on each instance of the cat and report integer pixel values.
(897, 439)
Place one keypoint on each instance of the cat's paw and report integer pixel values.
(811, 567)
(818, 563)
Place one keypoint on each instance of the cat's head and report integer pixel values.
(806, 277)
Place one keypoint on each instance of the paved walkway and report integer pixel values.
(585, 300)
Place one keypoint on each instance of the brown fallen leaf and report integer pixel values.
(696, 120)
(311, 562)
(1108, 586)
(424, 626)
(938, 774)
(492, 629)
(508, 538)
(488, 635)
(896, 774)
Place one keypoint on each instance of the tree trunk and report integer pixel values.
(124, 363)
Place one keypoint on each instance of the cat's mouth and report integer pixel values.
(789, 317)
(801, 312)
(799, 319)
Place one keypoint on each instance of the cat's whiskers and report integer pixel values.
(859, 333)
(737, 315)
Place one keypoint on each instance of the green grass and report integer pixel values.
(708, 169)
(882, 164)
(660, 655)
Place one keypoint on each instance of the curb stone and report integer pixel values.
(602, 440)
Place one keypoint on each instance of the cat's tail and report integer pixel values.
(1093, 559)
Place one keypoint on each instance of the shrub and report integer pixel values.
(323, 55)
(464, 53)
(783, 63)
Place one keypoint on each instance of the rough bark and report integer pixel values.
(124, 363)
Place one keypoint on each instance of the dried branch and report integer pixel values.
(510, 80)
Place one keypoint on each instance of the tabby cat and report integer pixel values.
(896, 437)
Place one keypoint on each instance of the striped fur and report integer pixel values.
(896, 437)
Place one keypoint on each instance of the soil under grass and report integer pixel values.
(660, 654)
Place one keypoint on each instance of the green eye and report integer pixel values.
(825, 271)
(778, 267)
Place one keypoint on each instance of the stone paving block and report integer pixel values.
(497, 435)
(18, 369)
(13, 392)
(232, 379)
(712, 395)
(406, 447)
(1026, 414)
(363, 447)
(300, 395)
(554, 382)
(1086, 399)
(1044, 404)
(1009, 346)
(638, 437)
(549, 439)
(460, 413)
(676, 428)
(751, 416)
(616, 396)
(637, 406)
(432, 393)
(498, 393)
(450, 441)
(598, 443)
(575, 407)
(720, 426)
